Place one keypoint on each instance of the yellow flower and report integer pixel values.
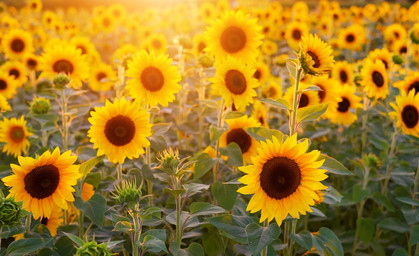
(295, 32)
(102, 77)
(45, 182)
(343, 113)
(283, 179)
(4, 105)
(53, 221)
(315, 55)
(8, 85)
(410, 83)
(343, 72)
(407, 112)
(17, 70)
(17, 43)
(88, 191)
(352, 37)
(15, 134)
(375, 79)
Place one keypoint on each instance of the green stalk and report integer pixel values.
(64, 118)
(28, 223)
(201, 97)
(364, 123)
(265, 250)
(81, 225)
(217, 146)
(148, 162)
(390, 155)
(293, 228)
(119, 172)
(178, 228)
(293, 114)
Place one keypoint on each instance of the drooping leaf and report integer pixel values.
(259, 237)
(311, 113)
(365, 228)
(225, 194)
(89, 164)
(204, 164)
(279, 103)
(201, 208)
(333, 165)
(94, 209)
(27, 245)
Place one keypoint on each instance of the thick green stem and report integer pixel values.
(390, 155)
(217, 146)
(364, 123)
(178, 227)
(293, 114)
(286, 232)
(81, 225)
(293, 228)
(64, 118)
(119, 172)
(137, 232)
(28, 223)
(149, 183)
(265, 250)
(416, 184)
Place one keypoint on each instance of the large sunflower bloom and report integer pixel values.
(17, 43)
(375, 79)
(407, 112)
(343, 72)
(283, 178)
(65, 58)
(120, 130)
(315, 55)
(234, 81)
(8, 85)
(14, 133)
(410, 83)
(44, 182)
(235, 34)
(153, 78)
(248, 145)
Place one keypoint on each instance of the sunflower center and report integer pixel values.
(32, 63)
(42, 181)
(397, 34)
(385, 63)
(3, 84)
(257, 74)
(303, 101)
(17, 45)
(152, 79)
(201, 47)
(410, 116)
(403, 50)
(120, 130)
(82, 48)
(157, 44)
(414, 86)
(17, 134)
(296, 34)
(321, 93)
(350, 38)
(235, 81)
(343, 76)
(100, 76)
(280, 177)
(64, 66)
(344, 105)
(314, 58)
(233, 39)
(261, 120)
(378, 79)
(15, 73)
(241, 137)
(44, 221)
(106, 22)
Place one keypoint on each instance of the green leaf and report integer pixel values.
(65, 246)
(358, 194)
(123, 226)
(394, 224)
(304, 239)
(259, 237)
(225, 194)
(157, 143)
(201, 208)
(194, 188)
(365, 228)
(400, 252)
(332, 244)
(215, 133)
(333, 165)
(279, 103)
(89, 164)
(408, 200)
(194, 249)
(232, 226)
(263, 134)
(234, 114)
(234, 153)
(311, 88)
(292, 68)
(311, 113)
(27, 245)
(332, 196)
(77, 240)
(382, 200)
(93, 178)
(159, 233)
(159, 129)
(414, 235)
(94, 209)
(204, 163)
(153, 244)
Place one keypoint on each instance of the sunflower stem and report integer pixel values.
(148, 162)
(265, 250)
(390, 155)
(201, 97)
(364, 123)
(64, 118)
(286, 234)
(416, 183)
(293, 115)
(118, 172)
(178, 227)
(81, 225)
(28, 223)
(217, 146)
(293, 228)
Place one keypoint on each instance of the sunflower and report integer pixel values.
(86, 46)
(410, 83)
(65, 58)
(262, 73)
(49, 19)
(343, 72)
(124, 53)
(35, 5)
(352, 37)
(17, 70)
(343, 112)
(272, 89)
(207, 12)
(269, 47)
(325, 26)
(237, 134)
(382, 54)
(102, 77)
(31, 61)
(153, 78)
(283, 178)
(155, 42)
(235, 34)
(399, 47)
(199, 44)
(307, 98)
(15, 134)
(4, 105)
(394, 32)
(234, 82)
(260, 113)
(120, 130)
(8, 85)
(407, 112)
(88, 191)
(118, 12)
(295, 32)
(106, 22)
(54, 221)
(17, 43)
(328, 93)
(375, 79)
(315, 55)
(44, 182)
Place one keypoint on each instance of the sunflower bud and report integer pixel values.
(186, 42)
(205, 61)
(40, 106)
(92, 248)
(169, 160)
(127, 193)
(371, 160)
(397, 59)
(60, 81)
(10, 212)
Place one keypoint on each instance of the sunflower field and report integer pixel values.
(209, 128)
